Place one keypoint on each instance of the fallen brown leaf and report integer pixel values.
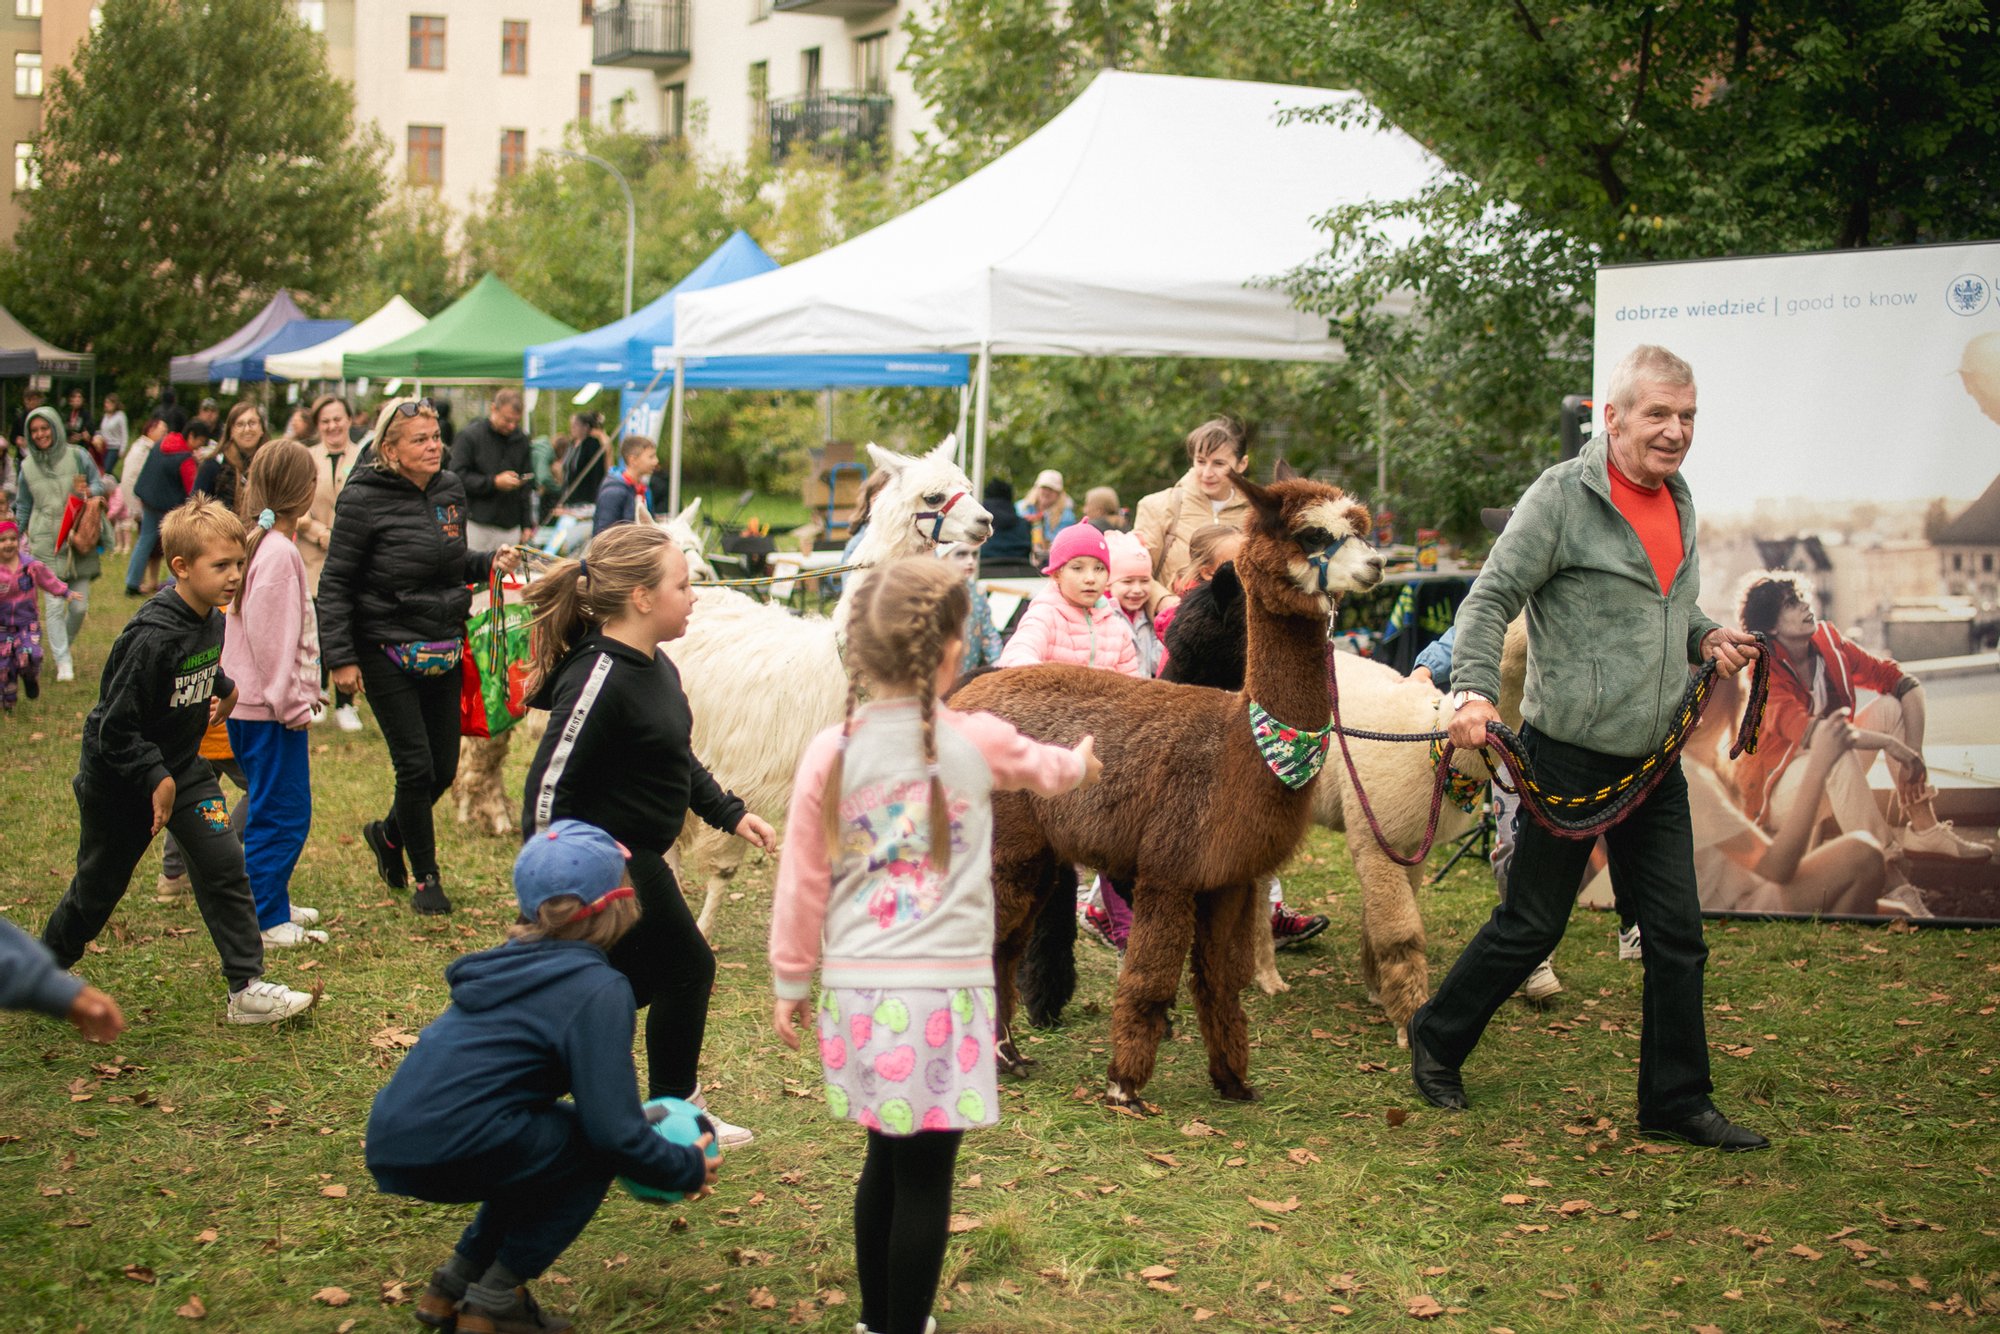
(1513, 1199)
(1395, 1116)
(1570, 1208)
(1290, 1203)
(1425, 1307)
(140, 1274)
(191, 1309)
(1158, 1271)
(1804, 1252)
(762, 1299)
(961, 1223)
(335, 1192)
(333, 1296)
(206, 1237)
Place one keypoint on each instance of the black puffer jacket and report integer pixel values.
(397, 569)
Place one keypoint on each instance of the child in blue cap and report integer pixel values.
(475, 1114)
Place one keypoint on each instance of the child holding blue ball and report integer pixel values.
(888, 872)
(475, 1114)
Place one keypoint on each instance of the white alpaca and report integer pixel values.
(762, 682)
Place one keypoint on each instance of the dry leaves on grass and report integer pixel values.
(1804, 1252)
(206, 1237)
(763, 1299)
(1158, 1271)
(1425, 1307)
(1513, 1199)
(140, 1274)
(961, 1223)
(191, 1309)
(334, 1192)
(1571, 1208)
(1287, 1205)
(333, 1296)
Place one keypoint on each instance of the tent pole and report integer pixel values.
(829, 415)
(674, 460)
(979, 425)
(964, 410)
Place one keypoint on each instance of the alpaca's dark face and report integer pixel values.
(1305, 546)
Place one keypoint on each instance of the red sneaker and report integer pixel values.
(1097, 924)
(1289, 928)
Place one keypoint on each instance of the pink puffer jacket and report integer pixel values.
(1054, 631)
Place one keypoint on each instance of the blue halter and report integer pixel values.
(1322, 560)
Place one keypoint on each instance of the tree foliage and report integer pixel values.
(195, 158)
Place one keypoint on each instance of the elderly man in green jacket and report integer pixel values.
(1601, 552)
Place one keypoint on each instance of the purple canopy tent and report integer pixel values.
(194, 368)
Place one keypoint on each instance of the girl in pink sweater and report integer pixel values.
(270, 648)
(888, 871)
(1070, 621)
(20, 617)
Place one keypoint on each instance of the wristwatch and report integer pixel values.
(1460, 698)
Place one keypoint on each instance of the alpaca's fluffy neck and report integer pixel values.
(893, 538)
(1284, 665)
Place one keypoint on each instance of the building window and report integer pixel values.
(673, 110)
(759, 10)
(760, 97)
(809, 65)
(312, 13)
(589, 10)
(27, 9)
(1986, 562)
(514, 46)
(1957, 561)
(871, 63)
(27, 74)
(513, 152)
(27, 168)
(426, 41)
(427, 155)
(583, 98)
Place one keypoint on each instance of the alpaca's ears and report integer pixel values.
(1266, 509)
(691, 513)
(947, 450)
(1285, 472)
(642, 514)
(888, 458)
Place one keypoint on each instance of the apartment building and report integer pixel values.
(819, 75)
(468, 91)
(37, 38)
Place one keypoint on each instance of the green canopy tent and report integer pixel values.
(477, 339)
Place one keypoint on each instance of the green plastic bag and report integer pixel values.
(493, 694)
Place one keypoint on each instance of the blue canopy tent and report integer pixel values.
(248, 365)
(635, 354)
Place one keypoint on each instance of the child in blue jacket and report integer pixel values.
(476, 1112)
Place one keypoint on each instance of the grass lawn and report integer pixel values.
(199, 1167)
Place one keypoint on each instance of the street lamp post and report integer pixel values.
(631, 212)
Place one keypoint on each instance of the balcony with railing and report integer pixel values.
(841, 9)
(648, 33)
(829, 124)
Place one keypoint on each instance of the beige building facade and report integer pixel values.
(37, 38)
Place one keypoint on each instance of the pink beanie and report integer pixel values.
(1074, 542)
(1129, 557)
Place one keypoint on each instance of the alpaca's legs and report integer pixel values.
(1162, 932)
(1227, 922)
(1019, 888)
(711, 859)
(1393, 962)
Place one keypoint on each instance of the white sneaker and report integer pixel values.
(1541, 983)
(171, 888)
(286, 934)
(65, 671)
(1628, 945)
(267, 1003)
(1904, 901)
(727, 1135)
(1941, 840)
(305, 916)
(347, 719)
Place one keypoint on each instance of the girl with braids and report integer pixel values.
(888, 865)
(617, 754)
(270, 649)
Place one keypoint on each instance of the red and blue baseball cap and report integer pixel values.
(574, 858)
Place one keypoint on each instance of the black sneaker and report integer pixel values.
(388, 857)
(31, 686)
(1289, 928)
(429, 900)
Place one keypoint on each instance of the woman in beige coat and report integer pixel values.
(1166, 520)
(333, 458)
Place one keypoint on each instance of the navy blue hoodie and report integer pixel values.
(528, 1023)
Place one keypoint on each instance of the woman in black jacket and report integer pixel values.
(393, 600)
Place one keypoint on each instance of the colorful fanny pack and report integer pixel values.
(427, 657)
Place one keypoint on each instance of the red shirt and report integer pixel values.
(1656, 520)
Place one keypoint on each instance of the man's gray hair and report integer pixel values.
(507, 398)
(1645, 363)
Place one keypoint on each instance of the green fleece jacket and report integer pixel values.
(1607, 653)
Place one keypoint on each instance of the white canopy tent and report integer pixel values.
(321, 361)
(1149, 218)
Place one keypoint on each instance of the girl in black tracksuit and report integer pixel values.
(617, 754)
(393, 600)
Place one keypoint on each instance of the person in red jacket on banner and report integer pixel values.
(1817, 672)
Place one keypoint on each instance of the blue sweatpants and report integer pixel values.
(277, 762)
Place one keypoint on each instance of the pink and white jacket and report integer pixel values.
(17, 589)
(270, 643)
(885, 917)
(1054, 630)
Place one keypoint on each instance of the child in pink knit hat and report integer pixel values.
(1070, 621)
(1131, 586)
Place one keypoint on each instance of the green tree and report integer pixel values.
(410, 252)
(195, 158)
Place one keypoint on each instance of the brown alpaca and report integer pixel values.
(1187, 811)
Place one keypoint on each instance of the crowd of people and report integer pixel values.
(287, 578)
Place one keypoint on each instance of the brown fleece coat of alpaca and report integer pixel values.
(1187, 811)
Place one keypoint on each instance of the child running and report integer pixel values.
(21, 618)
(271, 651)
(1069, 621)
(617, 752)
(888, 865)
(142, 769)
(477, 1113)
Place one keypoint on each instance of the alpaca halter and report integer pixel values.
(1294, 754)
(936, 516)
(1321, 562)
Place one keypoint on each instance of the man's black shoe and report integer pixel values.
(388, 857)
(1437, 1082)
(1711, 1130)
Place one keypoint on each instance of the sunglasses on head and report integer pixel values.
(411, 407)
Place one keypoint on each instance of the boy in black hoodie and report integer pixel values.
(142, 771)
(476, 1112)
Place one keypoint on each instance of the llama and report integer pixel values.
(762, 682)
(477, 792)
(1189, 811)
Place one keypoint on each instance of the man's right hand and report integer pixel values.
(1468, 725)
(163, 804)
(507, 481)
(96, 1015)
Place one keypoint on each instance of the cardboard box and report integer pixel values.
(846, 488)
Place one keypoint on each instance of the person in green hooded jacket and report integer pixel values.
(49, 473)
